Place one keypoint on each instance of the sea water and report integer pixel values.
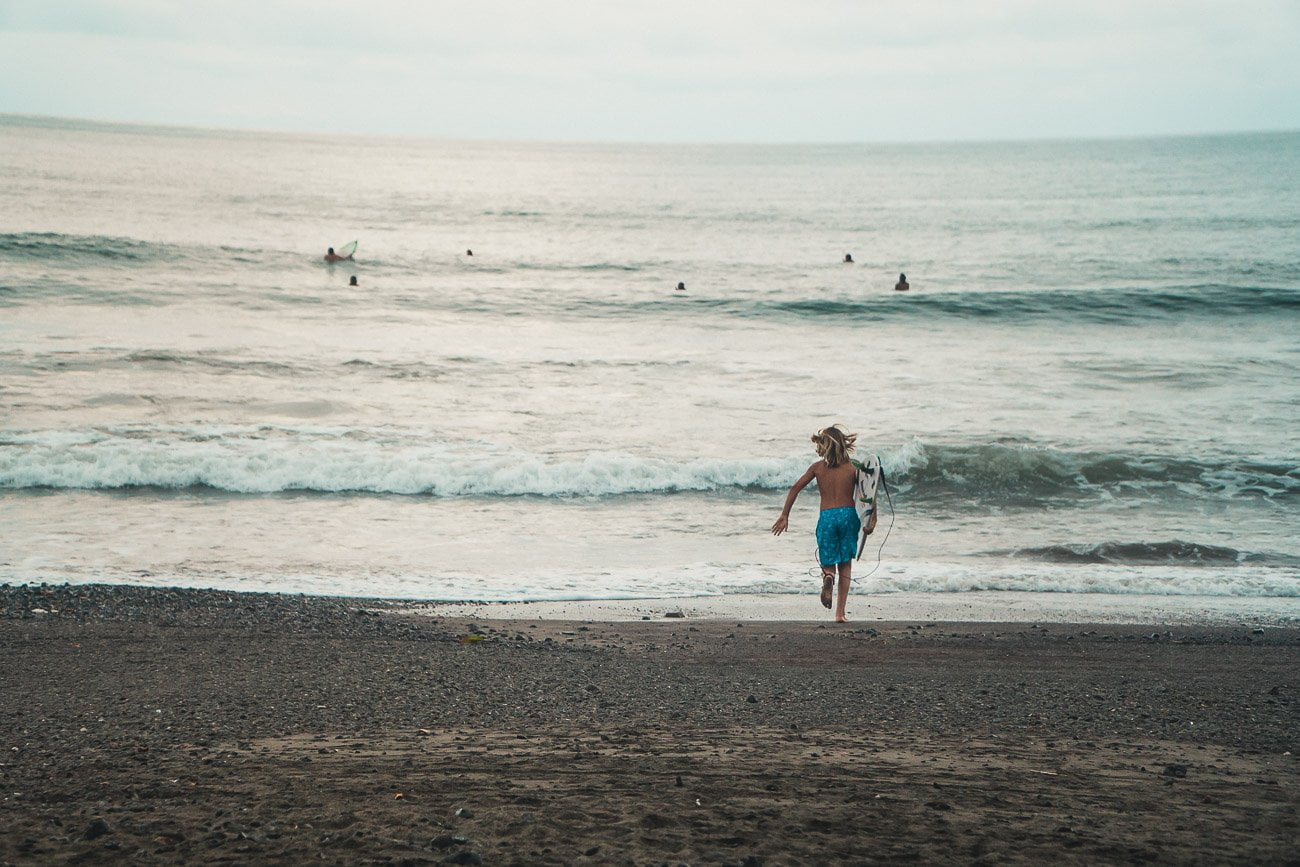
(1092, 385)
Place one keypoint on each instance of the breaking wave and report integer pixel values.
(1172, 553)
(269, 459)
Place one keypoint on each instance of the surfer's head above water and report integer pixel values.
(330, 251)
(834, 445)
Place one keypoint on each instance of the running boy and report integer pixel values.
(838, 525)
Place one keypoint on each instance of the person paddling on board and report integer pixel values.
(331, 256)
(838, 524)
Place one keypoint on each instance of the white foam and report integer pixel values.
(1252, 581)
(696, 580)
(266, 460)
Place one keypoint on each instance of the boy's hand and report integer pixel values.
(782, 524)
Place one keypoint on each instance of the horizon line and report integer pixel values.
(412, 136)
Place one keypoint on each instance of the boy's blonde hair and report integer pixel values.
(834, 445)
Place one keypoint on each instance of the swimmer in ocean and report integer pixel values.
(331, 256)
(902, 285)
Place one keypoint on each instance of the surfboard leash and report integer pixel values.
(881, 550)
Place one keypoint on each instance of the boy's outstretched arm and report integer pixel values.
(783, 522)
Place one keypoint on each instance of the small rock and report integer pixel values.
(674, 614)
(938, 805)
(752, 700)
(464, 813)
(592, 851)
(463, 857)
(446, 841)
(679, 781)
(1175, 770)
(96, 829)
(1256, 632)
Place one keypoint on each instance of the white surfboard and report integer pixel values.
(865, 486)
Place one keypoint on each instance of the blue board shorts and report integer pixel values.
(837, 535)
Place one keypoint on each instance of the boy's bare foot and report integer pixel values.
(828, 586)
(840, 618)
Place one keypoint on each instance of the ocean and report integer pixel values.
(1092, 385)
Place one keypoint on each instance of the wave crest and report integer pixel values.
(273, 459)
(270, 460)
(1172, 553)
(1027, 474)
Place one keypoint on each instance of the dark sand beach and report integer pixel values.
(200, 726)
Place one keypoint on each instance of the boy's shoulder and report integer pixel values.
(820, 467)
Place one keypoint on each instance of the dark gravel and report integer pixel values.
(109, 695)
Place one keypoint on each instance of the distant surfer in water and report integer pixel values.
(838, 524)
(902, 284)
(353, 280)
(331, 256)
(848, 258)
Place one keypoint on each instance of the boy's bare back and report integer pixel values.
(835, 484)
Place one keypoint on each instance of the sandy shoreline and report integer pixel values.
(974, 607)
(200, 726)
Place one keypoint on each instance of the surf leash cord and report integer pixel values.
(881, 550)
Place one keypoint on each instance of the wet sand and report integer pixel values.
(979, 606)
(200, 726)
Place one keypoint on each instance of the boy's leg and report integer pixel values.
(828, 585)
(842, 598)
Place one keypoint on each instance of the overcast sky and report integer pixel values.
(668, 70)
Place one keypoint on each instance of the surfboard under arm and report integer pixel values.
(865, 485)
(347, 249)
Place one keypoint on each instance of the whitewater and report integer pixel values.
(1090, 388)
